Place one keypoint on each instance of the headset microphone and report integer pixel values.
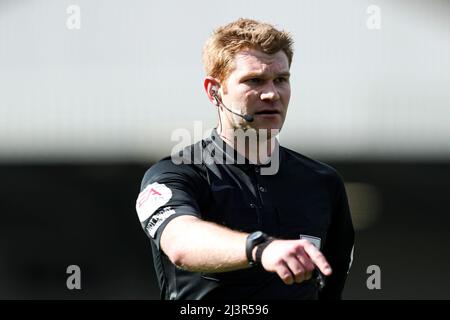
(246, 117)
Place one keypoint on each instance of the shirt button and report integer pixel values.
(257, 169)
(252, 205)
(262, 189)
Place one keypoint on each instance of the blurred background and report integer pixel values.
(92, 92)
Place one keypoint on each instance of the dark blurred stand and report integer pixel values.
(53, 216)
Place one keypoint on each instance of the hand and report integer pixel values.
(294, 260)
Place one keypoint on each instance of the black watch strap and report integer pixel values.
(260, 249)
(253, 239)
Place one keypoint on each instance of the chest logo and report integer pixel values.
(314, 240)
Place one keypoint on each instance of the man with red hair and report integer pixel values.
(237, 215)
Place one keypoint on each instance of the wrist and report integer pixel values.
(258, 252)
(254, 253)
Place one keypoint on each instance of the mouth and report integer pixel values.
(267, 113)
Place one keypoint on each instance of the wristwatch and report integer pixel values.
(253, 239)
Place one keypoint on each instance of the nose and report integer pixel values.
(270, 93)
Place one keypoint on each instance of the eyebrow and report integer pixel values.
(259, 74)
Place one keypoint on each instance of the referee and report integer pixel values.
(236, 215)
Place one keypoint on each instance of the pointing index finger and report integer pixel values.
(318, 259)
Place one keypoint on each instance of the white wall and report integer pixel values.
(120, 85)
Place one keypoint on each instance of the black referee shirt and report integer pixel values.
(304, 198)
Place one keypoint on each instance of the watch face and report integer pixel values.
(256, 235)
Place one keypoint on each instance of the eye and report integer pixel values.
(281, 80)
(255, 81)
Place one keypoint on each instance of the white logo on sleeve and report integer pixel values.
(314, 240)
(157, 220)
(151, 198)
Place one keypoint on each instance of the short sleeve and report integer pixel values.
(168, 190)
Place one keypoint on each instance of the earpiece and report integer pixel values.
(214, 94)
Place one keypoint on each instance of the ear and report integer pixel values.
(211, 84)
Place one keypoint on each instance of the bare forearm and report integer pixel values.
(202, 246)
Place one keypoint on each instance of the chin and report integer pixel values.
(268, 125)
